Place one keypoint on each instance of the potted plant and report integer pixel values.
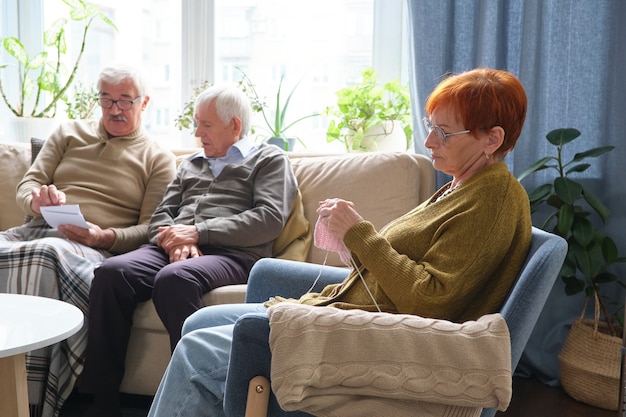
(185, 119)
(595, 377)
(366, 112)
(276, 125)
(82, 103)
(43, 80)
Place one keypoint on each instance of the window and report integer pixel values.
(321, 45)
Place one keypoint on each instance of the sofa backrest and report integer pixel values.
(383, 186)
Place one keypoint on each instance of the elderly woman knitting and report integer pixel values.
(453, 257)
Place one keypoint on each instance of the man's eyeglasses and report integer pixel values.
(440, 134)
(107, 103)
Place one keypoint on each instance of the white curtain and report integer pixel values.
(197, 43)
(570, 56)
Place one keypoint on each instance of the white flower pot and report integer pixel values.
(22, 129)
(386, 137)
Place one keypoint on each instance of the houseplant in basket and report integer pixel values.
(368, 113)
(591, 357)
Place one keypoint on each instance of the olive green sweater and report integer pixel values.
(117, 182)
(454, 259)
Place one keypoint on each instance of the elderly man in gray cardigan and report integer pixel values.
(220, 214)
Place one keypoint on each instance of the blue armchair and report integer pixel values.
(247, 387)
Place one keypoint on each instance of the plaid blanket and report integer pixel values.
(36, 260)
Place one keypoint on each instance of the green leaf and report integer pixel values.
(106, 20)
(596, 205)
(81, 10)
(74, 4)
(14, 47)
(55, 33)
(565, 219)
(560, 137)
(333, 132)
(539, 193)
(569, 191)
(578, 168)
(37, 62)
(583, 231)
(592, 153)
(589, 258)
(537, 166)
(553, 200)
(573, 285)
(605, 277)
(369, 103)
(88, 12)
(609, 250)
(48, 81)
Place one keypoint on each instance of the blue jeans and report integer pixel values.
(193, 384)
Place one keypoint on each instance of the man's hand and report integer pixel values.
(94, 237)
(46, 195)
(171, 237)
(182, 252)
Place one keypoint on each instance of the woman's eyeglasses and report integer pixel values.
(440, 134)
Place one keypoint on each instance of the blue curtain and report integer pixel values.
(570, 56)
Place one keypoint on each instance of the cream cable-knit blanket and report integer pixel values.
(344, 363)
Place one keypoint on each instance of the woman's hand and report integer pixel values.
(338, 215)
(46, 195)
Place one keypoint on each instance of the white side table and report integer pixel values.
(28, 323)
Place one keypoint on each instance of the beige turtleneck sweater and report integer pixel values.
(118, 181)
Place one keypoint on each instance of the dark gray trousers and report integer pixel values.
(123, 281)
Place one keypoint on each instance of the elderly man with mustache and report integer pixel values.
(117, 174)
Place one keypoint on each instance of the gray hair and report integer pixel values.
(115, 74)
(230, 102)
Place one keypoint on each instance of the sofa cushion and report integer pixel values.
(382, 185)
(35, 146)
(295, 240)
(145, 315)
(15, 159)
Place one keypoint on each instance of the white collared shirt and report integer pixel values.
(235, 154)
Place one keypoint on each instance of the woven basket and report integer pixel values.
(590, 365)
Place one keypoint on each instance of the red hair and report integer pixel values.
(484, 98)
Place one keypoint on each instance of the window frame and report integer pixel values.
(25, 18)
(389, 63)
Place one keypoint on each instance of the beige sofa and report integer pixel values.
(382, 185)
